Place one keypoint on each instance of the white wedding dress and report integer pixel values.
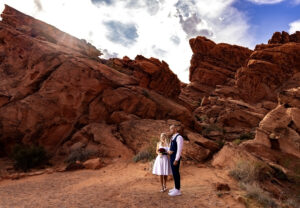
(162, 164)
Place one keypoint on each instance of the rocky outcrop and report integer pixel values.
(280, 128)
(44, 32)
(232, 88)
(58, 94)
(150, 73)
(271, 68)
(211, 65)
(284, 37)
(54, 89)
(225, 118)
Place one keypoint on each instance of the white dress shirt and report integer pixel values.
(179, 141)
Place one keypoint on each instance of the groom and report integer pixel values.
(175, 154)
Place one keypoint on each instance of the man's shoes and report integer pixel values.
(171, 190)
(176, 192)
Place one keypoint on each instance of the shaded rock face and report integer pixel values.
(280, 128)
(211, 65)
(215, 64)
(53, 89)
(150, 73)
(284, 37)
(270, 69)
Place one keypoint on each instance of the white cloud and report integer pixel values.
(267, 1)
(294, 26)
(157, 28)
(296, 2)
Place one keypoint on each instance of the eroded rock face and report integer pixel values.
(271, 68)
(44, 32)
(211, 65)
(215, 64)
(280, 128)
(150, 73)
(225, 118)
(53, 87)
(232, 88)
(284, 37)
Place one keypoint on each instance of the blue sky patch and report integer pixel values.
(121, 33)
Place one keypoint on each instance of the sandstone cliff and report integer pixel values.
(56, 92)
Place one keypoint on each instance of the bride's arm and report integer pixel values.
(157, 147)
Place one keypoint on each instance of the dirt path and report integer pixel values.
(116, 185)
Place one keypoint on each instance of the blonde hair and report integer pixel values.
(165, 138)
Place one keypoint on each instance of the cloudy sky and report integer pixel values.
(162, 28)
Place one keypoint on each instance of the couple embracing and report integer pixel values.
(168, 160)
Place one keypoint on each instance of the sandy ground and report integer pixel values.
(117, 185)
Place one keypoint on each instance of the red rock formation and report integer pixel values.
(150, 73)
(233, 88)
(212, 65)
(284, 37)
(57, 93)
(270, 69)
(280, 128)
(42, 31)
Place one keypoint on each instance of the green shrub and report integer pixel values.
(292, 202)
(144, 155)
(253, 191)
(249, 172)
(80, 154)
(237, 141)
(27, 157)
(211, 127)
(147, 154)
(247, 136)
(201, 118)
(243, 137)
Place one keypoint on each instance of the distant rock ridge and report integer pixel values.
(40, 30)
(284, 37)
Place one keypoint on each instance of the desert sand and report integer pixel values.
(117, 185)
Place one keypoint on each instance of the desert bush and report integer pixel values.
(292, 202)
(151, 164)
(201, 118)
(246, 136)
(247, 171)
(253, 191)
(147, 154)
(26, 157)
(237, 141)
(211, 127)
(80, 154)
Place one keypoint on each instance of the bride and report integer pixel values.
(162, 165)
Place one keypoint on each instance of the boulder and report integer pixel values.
(279, 129)
(92, 164)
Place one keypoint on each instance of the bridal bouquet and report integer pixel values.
(162, 151)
